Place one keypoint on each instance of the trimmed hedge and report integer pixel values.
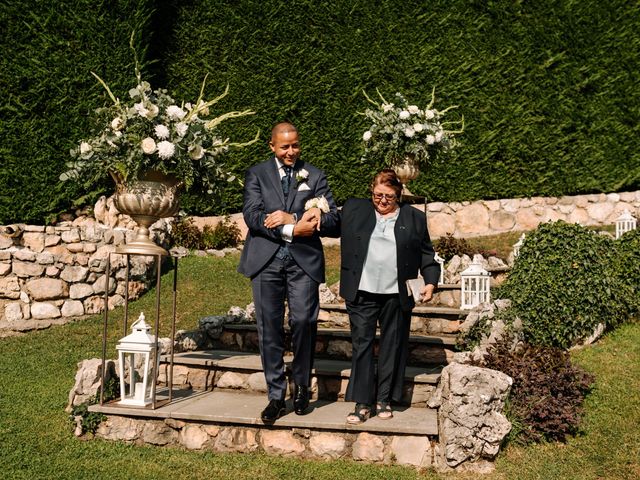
(47, 93)
(547, 88)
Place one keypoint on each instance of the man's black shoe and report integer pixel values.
(273, 411)
(300, 399)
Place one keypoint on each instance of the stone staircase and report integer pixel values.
(219, 393)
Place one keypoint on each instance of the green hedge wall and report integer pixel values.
(47, 92)
(547, 88)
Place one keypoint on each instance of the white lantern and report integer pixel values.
(517, 246)
(475, 286)
(440, 262)
(625, 223)
(139, 350)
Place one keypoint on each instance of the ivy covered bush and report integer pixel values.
(567, 280)
(546, 398)
(628, 266)
(185, 234)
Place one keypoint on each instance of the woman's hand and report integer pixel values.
(427, 292)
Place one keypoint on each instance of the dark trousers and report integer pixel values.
(280, 279)
(364, 313)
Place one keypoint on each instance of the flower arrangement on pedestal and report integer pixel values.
(153, 146)
(404, 136)
(153, 132)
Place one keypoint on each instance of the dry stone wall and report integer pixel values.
(58, 272)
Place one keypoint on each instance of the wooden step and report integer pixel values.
(233, 370)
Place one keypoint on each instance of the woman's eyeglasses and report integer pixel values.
(388, 197)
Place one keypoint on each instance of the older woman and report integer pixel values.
(383, 244)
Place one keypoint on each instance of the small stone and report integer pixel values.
(99, 285)
(231, 380)
(13, 312)
(51, 240)
(33, 241)
(25, 255)
(72, 308)
(27, 269)
(412, 450)
(193, 437)
(47, 288)
(71, 236)
(5, 269)
(80, 290)
(257, 382)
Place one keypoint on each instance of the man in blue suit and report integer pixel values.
(283, 256)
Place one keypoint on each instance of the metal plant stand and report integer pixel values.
(127, 252)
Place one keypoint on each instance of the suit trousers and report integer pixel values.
(282, 279)
(364, 313)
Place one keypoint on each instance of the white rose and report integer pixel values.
(418, 127)
(152, 111)
(181, 129)
(413, 109)
(175, 112)
(148, 145)
(85, 148)
(117, 123)
(409, 132)
(141, 109)
(162, 132)
(431, 139)
(404, 115)
(366, 136)
(387, 107)
(429, 114)
(196, 152)
(166, 149)
(439, 135)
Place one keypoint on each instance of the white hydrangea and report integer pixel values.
(85, 148)
(141, 109)
(152, 111)
(439, 135)
(403, 115)
(162, 131)
(166, 149)
(418, 127)
(429, 114)
(175, 112)
(409, 132)
(387, 107)
(366, 136)
(431, 139)
(181, 129)
(413, 109)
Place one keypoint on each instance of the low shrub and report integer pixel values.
(565, 283)
(546, 398)
(627, 266)
(449, 246)
(225, 234)
(90, 421)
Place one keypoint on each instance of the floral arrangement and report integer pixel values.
(399, 129)
(302, 176)
(154, 132)
(318, 202)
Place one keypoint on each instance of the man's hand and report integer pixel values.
(305, 227)
(277, 218)
(427, 292)
(313, 214)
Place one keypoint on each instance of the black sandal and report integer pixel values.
(360, 414)
(383, 411)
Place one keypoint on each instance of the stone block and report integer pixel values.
(368, 447)
(100, 285)
(193, 437)
(93, 305)
(119, 428)
(339, 348)
(236, 440)
(26, 269)
(41, 310)
(412, 450)
(257, 382)
(5, 269)
(328, 445)
(52, 271)
(501, 221)
(473, 219)
(75, 247)
(73, 274)
(9, 287)
(13, 312)
(25, 255)
(33, 240)
(47, 288)
(80, 290)
(440, 224)
(600, 212)
(156, 432)
(72, 308)
(51, 240)
(45, 258)
(281, 442)
(71, 236)
(232, 380)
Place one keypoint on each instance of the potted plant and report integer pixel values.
(153, 146)
(405, 137)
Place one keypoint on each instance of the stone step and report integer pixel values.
(241, 371)
(230, 422)
(242, 408)
(335, 343)
(426, 320)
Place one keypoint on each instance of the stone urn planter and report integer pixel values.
(154, 196)
(406, 168)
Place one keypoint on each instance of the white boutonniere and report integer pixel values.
(302, 176)
(318, 202)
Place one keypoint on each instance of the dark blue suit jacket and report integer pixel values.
(263, 195)
(413, 248)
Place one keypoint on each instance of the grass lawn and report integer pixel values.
(37, 371)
